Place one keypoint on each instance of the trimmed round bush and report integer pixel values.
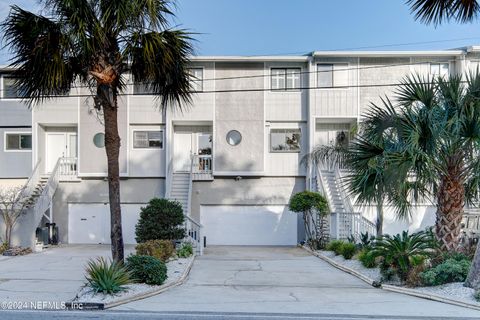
(147, 269)
(449, 271)
(348, 250)
(161, 219)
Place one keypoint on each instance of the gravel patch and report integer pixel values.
(455, 290)
(175, 269)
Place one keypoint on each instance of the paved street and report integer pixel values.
(283, 280)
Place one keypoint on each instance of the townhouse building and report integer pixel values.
(233, 158)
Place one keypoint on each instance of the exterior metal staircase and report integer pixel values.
(179, 190)
(344, 221)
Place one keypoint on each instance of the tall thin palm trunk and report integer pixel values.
(379, 222)
(112, 148)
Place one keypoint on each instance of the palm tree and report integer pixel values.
(96, 43)
(436, 12)
(439, 11)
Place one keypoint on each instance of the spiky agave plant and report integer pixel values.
(107, 277)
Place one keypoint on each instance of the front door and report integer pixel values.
(182, 151)
(58, 145)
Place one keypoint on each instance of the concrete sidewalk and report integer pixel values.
(54, 275)
(283, 280)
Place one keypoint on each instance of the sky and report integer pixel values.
(282, 27)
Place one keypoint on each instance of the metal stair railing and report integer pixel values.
(33, 181)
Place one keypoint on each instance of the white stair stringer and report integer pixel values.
(181, 190)
(344, 221)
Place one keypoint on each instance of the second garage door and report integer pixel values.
(89, 223)
(249, 225)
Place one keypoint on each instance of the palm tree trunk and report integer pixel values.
(112, 147)
(473, 278)
(450, 201)
(379, 223)
(8, 235)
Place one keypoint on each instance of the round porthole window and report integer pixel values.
(99, 140)
(234, 137)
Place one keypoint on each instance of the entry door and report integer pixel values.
(182, 150)
(56, 148)
(59, 144)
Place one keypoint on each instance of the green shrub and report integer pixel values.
(335, 246)
(3, 247)
(449, 271)
(147, 269)
(348, 250)
(402, 252)
(107, 277)
(161, 219)
(160, 249)
(186, 250)
(367, 258)
(477, 295)
(366, 240)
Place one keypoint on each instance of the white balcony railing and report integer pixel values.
(202, 167)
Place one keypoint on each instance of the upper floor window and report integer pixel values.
(9, 88)
(196, 79)
(285, 78)
(148, 139)
(439, 69)
(285, 140)
(332, 75)
(18, 141)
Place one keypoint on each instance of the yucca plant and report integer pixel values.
(402, 252)
(107, 277)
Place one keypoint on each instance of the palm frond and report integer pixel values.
(439, 11)
(43, 54)
(160, 60)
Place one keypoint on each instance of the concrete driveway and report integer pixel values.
(283, 280)
(53, 275)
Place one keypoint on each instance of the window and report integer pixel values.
(148, 139)
(332, 75)
(9, 88)
(285, 140)
(285, 78)
(196, 79)
(99, 140)
(234, 137)
(18, 141)
(439, 69)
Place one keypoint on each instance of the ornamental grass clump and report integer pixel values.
(185, 251)
(348, 250)
(335, 246)
(107, 277)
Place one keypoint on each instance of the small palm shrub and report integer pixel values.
(147, 269)
(366, 240)
(348, 250)
(107, 277)
(186, 250)
(160, 249)
(449, 271)
(161, 219)
(367, 258)
(335, 246)
(402, 252)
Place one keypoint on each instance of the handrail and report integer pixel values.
(196, 223)
(190, 185)
(32, 181)
(345, 198)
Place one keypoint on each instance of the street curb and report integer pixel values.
(434, 297)
(165, 287)
(355, 273)
(388, 287)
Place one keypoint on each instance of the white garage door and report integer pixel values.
(90, 223)
(249, 225)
